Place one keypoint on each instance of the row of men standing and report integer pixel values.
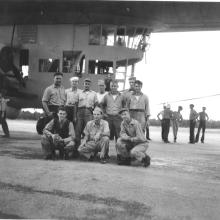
(168, 116)
(81, 103)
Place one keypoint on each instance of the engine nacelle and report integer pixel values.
(12, 113)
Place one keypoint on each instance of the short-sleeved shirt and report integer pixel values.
(100, 96)
(3, 104)
(140, 103)
(177, 116)
(113, 105)
(72, 96)
(132, 129)
(87, 99)
(54, 95)
(167, 114)
(92, 129)
(202, 116)
(193, 115)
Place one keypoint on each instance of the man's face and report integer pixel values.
(101, 88)
(74, 83)
(114, 87)
(97, 115)
(87, 85)
(58, 80)
(125, 116)
(137, 87)
(62, 115)
(131, 82)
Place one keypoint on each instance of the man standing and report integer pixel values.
(86, 103)
(3, 104)
(192, 123)
(203, 117)
(127, 93)
(72, 98)
(176, 119)
(138, 105)
(96, 137)
(132, 142)
(54, 96)
(112, 104)
(160, 117)
(167, 115)
(58, 135)
(102, 92)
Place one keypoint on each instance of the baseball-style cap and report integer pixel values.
(123, 110)
(101, 82)
(87, 80)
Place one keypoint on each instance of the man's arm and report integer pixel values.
(139, 134)
(72, 135)
(158, 116)
(123, 135)
(207, 117)
(45, 100)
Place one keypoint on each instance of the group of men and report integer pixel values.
(167, 117)
(84, 121)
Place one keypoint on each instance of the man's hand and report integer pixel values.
(97, 137)
(82, 143)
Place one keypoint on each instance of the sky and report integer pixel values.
(179, 66)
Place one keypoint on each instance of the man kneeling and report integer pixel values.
(58, 134)
(96, 137)
(132, 142)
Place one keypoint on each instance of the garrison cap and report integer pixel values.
(87, 80)
(97, 109)
(123, 110)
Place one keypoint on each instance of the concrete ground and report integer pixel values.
(183, 181)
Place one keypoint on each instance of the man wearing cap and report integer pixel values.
(176, 119)
(102, 92)
(72, 98)
(138, 105)
(86, 103)
(54, 96)
(58, 135)
(192, 123)
(165, 122)
(111, 104)
(96, 137)
(132, 142)
(203, 117)
(127, 93)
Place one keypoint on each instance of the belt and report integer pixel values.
(137, 110)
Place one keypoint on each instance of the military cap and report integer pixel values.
(74, 78)
(101, 82)
(87, 80)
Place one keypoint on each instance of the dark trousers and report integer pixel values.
(83, 116)
(71, 114)
(114, 122)
(54, 109)
(192, 125)
(166, 129)
(4, 123)
(147, 132)
(202, 125)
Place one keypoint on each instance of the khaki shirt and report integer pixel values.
(54, 95)
(72, 96)
(87, 99)
(3, 104)
(113, 106)
(193, 115)
(132, 129)
(92, 129)
(142, 103)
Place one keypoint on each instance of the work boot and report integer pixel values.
(146, 161)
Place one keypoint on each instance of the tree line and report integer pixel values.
(26, 115)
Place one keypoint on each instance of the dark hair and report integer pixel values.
(58, 74)
(138, 82)
(62, 108)
(180, 107)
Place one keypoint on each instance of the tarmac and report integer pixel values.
(183, 181)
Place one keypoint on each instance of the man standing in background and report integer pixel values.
(192, 123)
(176, 119)
(72, 98)
(101, 93)
(203, 117)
